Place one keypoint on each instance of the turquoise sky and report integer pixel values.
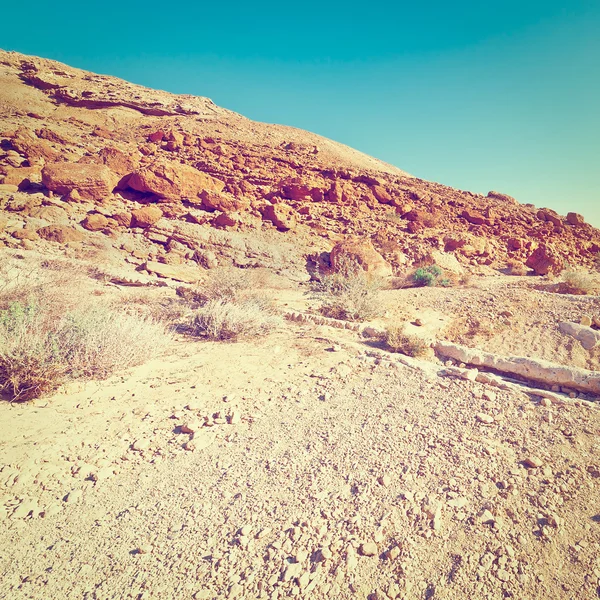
(479, 96)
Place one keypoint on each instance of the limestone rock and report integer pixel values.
(93, 182)
(145, 217)
(362, 252)
(172, 180)
(544, 259)
(60, 233)
(281, 215)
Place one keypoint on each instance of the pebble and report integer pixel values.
(203, 439)
(144, 549)
(368, 549)
(141, 445)
(393, 553)
(235, 417)
(189, 446)
(191, 426)
(385, 480)
(74, 496)
(486, 419)
(586, 321)
(533, 462)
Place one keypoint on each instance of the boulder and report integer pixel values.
(51, 214)
(123, 218)
(60, 233)
(93, 182)
(381, 194)
(473, 217)
(545, 214)
(35, 150)
(25, 234)
(21, 175)
(172, 180)
(575, 219)
(180, 273)
(360, 251)
(589, 338)
(281, 215)
(146, 216)
(501, 197)
(95, 222)
(544, 259)
(226, 203)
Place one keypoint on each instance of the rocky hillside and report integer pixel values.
(165, 183)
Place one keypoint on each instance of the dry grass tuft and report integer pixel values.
(578, 283)
(516, 268)
(410, 345)
(232, 320)
(39, 352)
(227, 284)
(350, 293)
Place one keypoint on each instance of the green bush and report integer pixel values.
(429, 276)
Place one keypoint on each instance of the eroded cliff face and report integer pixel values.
(180, 181)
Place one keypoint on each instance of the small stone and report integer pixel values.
(393, 553)
(141, 445)
(546, 402)
(486, 517)
(203, 439)
(586, 321)
(458, 502)
(189, 446)
(74, 496)
(191, 426)
(486, 419)
(503, 575)
(385, 480)
(144, 549)
(235, 418)
(489, 395)
(533, 462)
(368, 549)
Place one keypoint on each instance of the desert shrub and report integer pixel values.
(430, 276)
(398, 341)
(223, 319)
(578, 283)
(227, 284)
(349, 293)
(39, 352)
(516, 268)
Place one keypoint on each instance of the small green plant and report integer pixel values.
(429, 276)
(397, 340)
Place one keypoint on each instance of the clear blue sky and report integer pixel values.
(478, 95)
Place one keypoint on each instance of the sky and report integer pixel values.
(480, 96)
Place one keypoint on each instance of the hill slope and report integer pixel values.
(217, 187)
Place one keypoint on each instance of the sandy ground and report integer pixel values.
(324, 469)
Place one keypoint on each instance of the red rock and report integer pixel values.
(544, 259)
(295, 189)
(172, 180)
(32, 148)
(362, 252)
(124, 219)
(381, 194)
(575, 219)
(473, 217)
(146, 217)
(545, 214)
(281, 215)
(157, 136)
(95, 222)
(25, 234)
(60, 233)
(117, 161)
(17, 176)
(93, 182)
(212, 201)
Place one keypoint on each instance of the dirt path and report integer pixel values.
(331, 456)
